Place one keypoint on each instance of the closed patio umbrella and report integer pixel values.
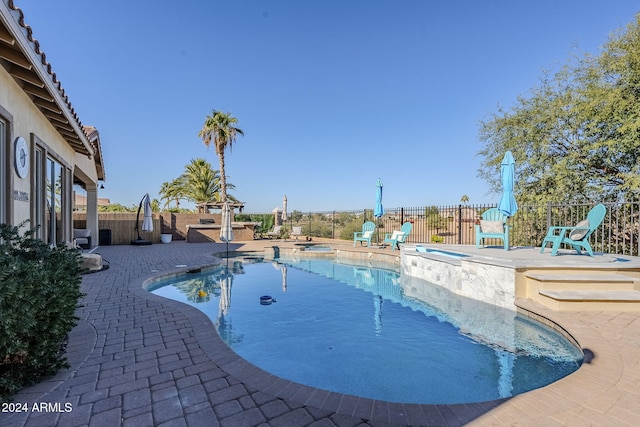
(226, 230)
(147, 223)
(284, 211)
(378, 212)
(508, 204)
(284, 208)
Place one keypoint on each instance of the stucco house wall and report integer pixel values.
(61, 151)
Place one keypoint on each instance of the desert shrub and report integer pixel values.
(39, 293)
(265, 219)
(437, 239)
(351, 227)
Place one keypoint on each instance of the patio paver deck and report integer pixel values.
(141, 360)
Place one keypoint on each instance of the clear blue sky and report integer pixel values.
(331, 94)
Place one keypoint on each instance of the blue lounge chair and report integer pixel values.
(493, 225)
(578, 236)
(398, 237)
(365, 235)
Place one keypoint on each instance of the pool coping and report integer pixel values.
(399, 413)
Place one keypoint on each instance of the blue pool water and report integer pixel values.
(369, 332)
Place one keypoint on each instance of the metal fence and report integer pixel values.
(455, 224)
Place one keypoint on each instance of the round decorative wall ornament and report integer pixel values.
(21, 157)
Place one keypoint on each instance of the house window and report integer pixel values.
(38, 213)
(55, 200)
(51, 189)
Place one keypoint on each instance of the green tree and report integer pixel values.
(199, 183)
(173, 191)
(202, 183)
(117, 207)
(434, 219)
(155, 205)
(219, 129)
(296, 216)
(575, 138)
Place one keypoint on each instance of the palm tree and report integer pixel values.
(173, 191)
(202, 182)
(220, 129)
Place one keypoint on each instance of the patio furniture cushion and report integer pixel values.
(365, 235)
(82, 237)
(492, 226)
(581, 231)
(559, 235)
(396, 234)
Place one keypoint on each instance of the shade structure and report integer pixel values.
(226, 230)
(508, 204)
(378, 212)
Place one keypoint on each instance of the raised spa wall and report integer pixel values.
(469, 277)
(361, 258)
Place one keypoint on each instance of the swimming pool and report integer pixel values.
(366, 332)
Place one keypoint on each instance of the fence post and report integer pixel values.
(548, 215)
(459, 224)
(401, 216)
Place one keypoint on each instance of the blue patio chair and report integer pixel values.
(397, 237)
(493, 225)
(365, 235)
(578, 236)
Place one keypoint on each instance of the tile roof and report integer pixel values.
(21, 56)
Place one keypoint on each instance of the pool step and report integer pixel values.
(585, 292)
(595, 281)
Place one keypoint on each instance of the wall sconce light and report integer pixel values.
(102, 186)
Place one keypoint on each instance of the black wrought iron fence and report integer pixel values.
(456, 224)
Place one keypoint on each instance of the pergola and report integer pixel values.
(204, 207)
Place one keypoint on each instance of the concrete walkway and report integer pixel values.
(141, 360)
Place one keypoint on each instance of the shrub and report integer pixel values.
(351, 227)
(265, 219)
(437, 239)
(39, 293)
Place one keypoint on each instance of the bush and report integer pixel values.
(265, 219)
(351, 227)
(437, 239)
(39, 293)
